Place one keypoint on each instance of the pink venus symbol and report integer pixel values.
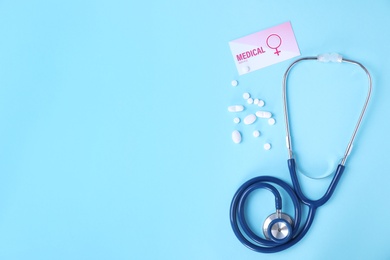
(273, 42)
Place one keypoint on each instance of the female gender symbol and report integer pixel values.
(273, 42)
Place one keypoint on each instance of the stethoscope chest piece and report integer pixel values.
(278, 227)
(279, 231)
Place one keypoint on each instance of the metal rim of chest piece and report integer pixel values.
(280, 233)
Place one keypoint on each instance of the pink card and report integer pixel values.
(264, 48)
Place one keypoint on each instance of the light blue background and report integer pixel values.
(115, 138)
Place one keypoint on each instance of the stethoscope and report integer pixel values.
(279, 229)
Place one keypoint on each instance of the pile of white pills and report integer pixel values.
(255, 101)
(250, 118)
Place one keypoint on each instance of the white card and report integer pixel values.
(264, 48)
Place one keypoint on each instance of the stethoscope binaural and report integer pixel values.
(280, 230)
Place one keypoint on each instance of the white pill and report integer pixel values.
(234, 83)
(246, 95)
(250, 119)
(245, 69)
(236, 120)
(263, 114)
(267, 146)
(256, 133)
(261, 103)
(250, 100)
(271, 121)
(256, 101)
(236, 137)
(235, 108)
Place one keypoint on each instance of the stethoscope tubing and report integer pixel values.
(240, 225)
(329, 192)
(237, 208)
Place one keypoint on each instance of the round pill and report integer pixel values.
(250, 100)
(250, 119)
(236, 120)
(261, 103)
(245, 69)
(234, 83)
(267, 146)
(256, 101)
(256, 133)
(236, 137)
(271, 121)
(246, 95)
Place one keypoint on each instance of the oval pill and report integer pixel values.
(236, 137)
(250, 119)
(236, 108)
(263, 114)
